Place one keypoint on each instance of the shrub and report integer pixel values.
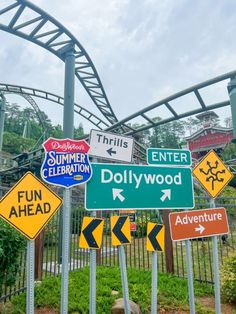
(228, 279)
(11, 245)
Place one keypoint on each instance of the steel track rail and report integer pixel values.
(35, 25)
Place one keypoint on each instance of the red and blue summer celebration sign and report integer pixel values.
(66, 162)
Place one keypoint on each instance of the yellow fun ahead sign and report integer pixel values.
(29, 205)
(212, 174)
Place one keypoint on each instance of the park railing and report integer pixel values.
(48, 246)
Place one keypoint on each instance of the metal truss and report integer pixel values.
(33, 24)
(29, 92)
(166, 102)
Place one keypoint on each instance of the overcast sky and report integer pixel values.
(143, 50)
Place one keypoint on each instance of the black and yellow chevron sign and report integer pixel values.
(91, 233)
(120, 230)
(155, 237)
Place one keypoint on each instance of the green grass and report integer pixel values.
(172, 291)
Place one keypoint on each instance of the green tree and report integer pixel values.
(11, 245)
(15, 144)
(79, 131)
(168, 135)
(191, 125)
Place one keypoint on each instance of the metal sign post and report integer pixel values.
(155, 242)
(68, 129)
(120, 235)
(30, 277)
(124, 279)
(190, 276)
(154, 283)
(2, 118)
(216, 268)
(92, 296)
(91, 238)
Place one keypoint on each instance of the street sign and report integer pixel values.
(132, 218)
(29, 205)
(120, 230)
(212, 174)
(198, 223)
(66, 162)
(141, 187)
(169, 157)
(111, 146)
(91, 233)
(155, 237)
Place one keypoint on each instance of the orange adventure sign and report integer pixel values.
(29, 205)
(198, 223)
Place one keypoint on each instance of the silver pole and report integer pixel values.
(216, 268)
(190, 276)
(30, 277)
(68, 129)
(92, 296)
(124, 279)
(2, 118)
(154, 283)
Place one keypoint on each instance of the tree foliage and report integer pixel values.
(11, 245)
(37, 124)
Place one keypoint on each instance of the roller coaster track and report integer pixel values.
(168, 104)
(195, 90)
(27, 92)
(34, 105)
(27, 21)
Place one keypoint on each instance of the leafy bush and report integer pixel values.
(11, 245)
(228, 279)
(171, 291)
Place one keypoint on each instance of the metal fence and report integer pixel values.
(48, 263)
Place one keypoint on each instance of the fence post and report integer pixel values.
(169, 255)
(39, 255)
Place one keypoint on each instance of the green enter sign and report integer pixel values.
(141, 187)
(169, 157)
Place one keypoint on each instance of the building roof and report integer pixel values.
(219, 129)
(211, 114)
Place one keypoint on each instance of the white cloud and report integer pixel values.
(143, 50)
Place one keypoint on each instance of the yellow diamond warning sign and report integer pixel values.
(29, 205)
(212, 174)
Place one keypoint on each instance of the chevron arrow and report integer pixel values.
(88, 233)
(118, 232)
(152, 237)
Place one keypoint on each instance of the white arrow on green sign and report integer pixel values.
(118, 186)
